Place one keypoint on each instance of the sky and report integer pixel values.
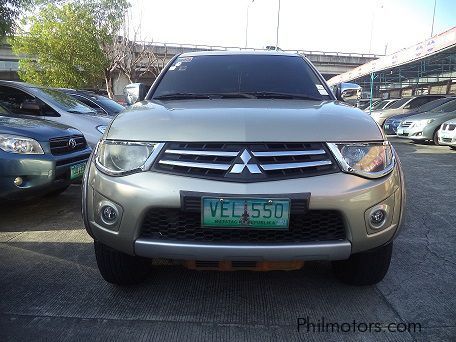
(319, 25)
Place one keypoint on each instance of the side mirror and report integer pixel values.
(31, 107)
(135, 92)
(348, 92)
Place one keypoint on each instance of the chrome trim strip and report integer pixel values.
(286, 166)
(197, 165)
(288, 153)
(203, 153)
(333, 250)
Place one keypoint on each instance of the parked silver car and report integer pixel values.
(425, 126)
(447, 134)
(238, 159)
(50, 104)
(403, 106)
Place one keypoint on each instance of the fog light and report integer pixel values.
(377, 218)
(109, 214)
(18, 181)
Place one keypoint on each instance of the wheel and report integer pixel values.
(366, 268)
(453, 147)
(120, 268)
(435, 138)
(57, 192)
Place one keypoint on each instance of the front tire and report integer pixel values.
(120, 268)
(435, 138)
(366, 268)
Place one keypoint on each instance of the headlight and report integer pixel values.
(21, 145)
(101, 129)
(118, 158)
(423, 123)
(370, 160)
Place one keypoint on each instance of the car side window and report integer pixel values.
(13, 99)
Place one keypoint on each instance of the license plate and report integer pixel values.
(445, 135)
(255, 213)
(77, 170)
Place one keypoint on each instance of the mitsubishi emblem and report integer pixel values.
(245, 157)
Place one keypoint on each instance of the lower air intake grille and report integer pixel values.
(176, 225)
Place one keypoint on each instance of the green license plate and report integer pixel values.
(256, 213)
(77, 170)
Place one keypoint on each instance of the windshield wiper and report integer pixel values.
(181, 96)
(278, 95)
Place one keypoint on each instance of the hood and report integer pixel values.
(437, 116)
(243, 120)
(41, 130)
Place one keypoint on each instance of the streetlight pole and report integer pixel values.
(433, 17)
(278, 24)
(247, 21)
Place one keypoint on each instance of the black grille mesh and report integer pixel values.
(61, 145)
(177, 225)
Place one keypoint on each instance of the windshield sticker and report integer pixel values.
(184, 59)
(178, 64)
(321, 89)
(172, 67)
(183, 67)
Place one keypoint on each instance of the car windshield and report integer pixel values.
(250, 76)
(432, 104)
(379, 105)
(111, 105)
(398, 103)
(445, 108)
(61, 100)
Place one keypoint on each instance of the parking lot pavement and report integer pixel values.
(51, 288)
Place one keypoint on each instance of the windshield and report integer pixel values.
(445, 108)
(432, 105)
(399, 103)
(379, 104)
(109, 104)
(61, 100)
(241, 74)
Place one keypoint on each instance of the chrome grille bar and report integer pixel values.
(288, 153)
(204, 153)
(287, 166)
(210, 166)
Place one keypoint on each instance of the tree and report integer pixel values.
(10, 10)
(70, 43)
(63, 46)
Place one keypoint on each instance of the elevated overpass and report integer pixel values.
(328, 63)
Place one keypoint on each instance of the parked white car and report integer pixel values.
(447, 134)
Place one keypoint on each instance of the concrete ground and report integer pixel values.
(50, 288)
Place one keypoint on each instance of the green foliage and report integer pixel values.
(10, 11)
(67, 42)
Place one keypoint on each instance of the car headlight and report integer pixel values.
(101, 129)
(370, 160)
(423, 123)
(118, 158)
(21, 145)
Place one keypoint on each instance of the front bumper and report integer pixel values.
(138, 193)
(41, 173)
(447, 138)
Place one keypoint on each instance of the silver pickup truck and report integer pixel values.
(243, 160)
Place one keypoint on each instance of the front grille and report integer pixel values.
(406, 124)
(63, 145)
(244, 162)
(177, 225)
(448, 127)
